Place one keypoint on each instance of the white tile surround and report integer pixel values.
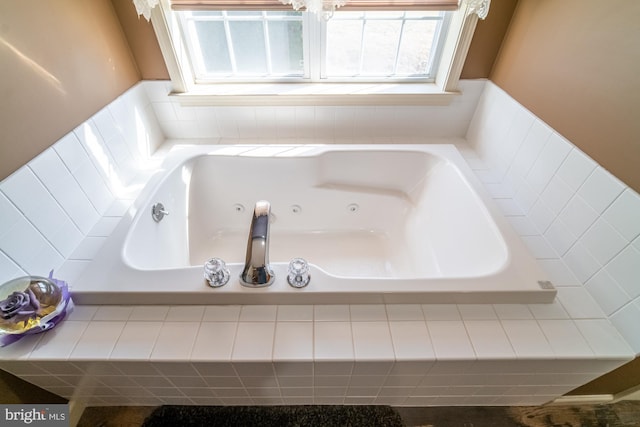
(579, 220)
(565, 207)
(57, 210)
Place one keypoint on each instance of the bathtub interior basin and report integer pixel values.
(381, 224)
(377, 214)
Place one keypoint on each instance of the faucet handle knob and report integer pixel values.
(216, 272)
(298, 276)
(158, 212)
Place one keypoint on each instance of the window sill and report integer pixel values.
(293, 94)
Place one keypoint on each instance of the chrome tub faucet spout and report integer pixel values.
(257, 272)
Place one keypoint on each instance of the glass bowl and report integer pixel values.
(29, 302)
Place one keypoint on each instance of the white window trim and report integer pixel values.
(441, 92)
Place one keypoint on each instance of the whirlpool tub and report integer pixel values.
(376, 223)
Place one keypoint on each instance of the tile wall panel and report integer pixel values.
(340, 123)
(50, 206)
(576, 218)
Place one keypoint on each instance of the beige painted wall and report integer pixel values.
(487, 40)
(61, 61)
(575, 64)
(142, 41)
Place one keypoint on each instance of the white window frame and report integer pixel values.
(440, 92)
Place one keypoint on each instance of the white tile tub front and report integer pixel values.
(136, 341)
(411, 340)
(333, 341)
(305, 362)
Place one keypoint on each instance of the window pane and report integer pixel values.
(285, 40)
(344, 42)
(248, 46)
(214, 50)
(380, 47)
(381, 44)
(415, 48)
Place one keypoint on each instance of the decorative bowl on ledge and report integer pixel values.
(31, 304)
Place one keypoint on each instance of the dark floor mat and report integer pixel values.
(274, 416)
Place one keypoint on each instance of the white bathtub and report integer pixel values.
(377, 224)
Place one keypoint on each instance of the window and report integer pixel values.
(244, 45)
(400, 45)
(284, 57)
(292, 46)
